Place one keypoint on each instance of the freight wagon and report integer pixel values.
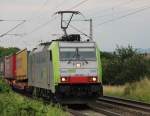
(10, 67)
(21, 78)
(21, 64)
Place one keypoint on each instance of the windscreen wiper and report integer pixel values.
(77, 57)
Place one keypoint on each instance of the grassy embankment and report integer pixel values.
(136, 91)
(12, 104)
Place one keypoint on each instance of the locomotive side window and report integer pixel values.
(50, 55)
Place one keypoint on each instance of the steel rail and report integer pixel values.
(103, 111)
(126, 102)
(74, 112)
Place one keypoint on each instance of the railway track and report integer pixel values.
(108, 106)
(83, 110)
(113, 106)
(128, 103)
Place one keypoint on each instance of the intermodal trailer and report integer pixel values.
(10, 67)
(21, 64)
(20, 81)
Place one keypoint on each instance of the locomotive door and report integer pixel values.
(51, 78)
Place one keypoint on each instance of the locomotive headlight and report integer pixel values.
(94, 79)
(63, 79)
(78, 65)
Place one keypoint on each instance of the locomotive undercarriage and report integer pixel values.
(78, 93)
(71, 93)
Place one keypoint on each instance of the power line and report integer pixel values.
(114, 7)
(12, 28)
(23, 21)
(13, 20)
(57, 6)
(79, 31)
(44, 4)
(40, 26)
(78, 4)
(123, 16)
(124, 11)
(44, 24)
(37, 28)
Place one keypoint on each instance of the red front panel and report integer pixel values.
(78, 79)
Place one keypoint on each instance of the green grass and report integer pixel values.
(136, 91)
(114, 90)
(13, 104)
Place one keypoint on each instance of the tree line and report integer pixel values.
(124, 65)
(8, 51)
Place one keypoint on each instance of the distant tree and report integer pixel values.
(124, 53)
(8, 51)
(107, 55)
(123, 66)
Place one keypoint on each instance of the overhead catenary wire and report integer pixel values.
(39, 27)
(114, 7)
(11, 20)
(13, 28)
(79, 31)
(124, 16)
(40, 9)
(116, 13)
(44, 24)
(23, 21)
(78, 4)
(60, 4)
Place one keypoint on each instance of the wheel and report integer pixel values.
(34, 93)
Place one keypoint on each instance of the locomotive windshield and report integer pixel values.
(83, 53)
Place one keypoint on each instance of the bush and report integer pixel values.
(125, 65)
(15, 105)
(8, 51)
(4, 87)
(12, 104)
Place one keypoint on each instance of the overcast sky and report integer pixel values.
(115, 22)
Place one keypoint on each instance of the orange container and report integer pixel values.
(21, 65)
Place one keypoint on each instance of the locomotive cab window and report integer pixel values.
(67, 53)
(82, 53)
(87, 53)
